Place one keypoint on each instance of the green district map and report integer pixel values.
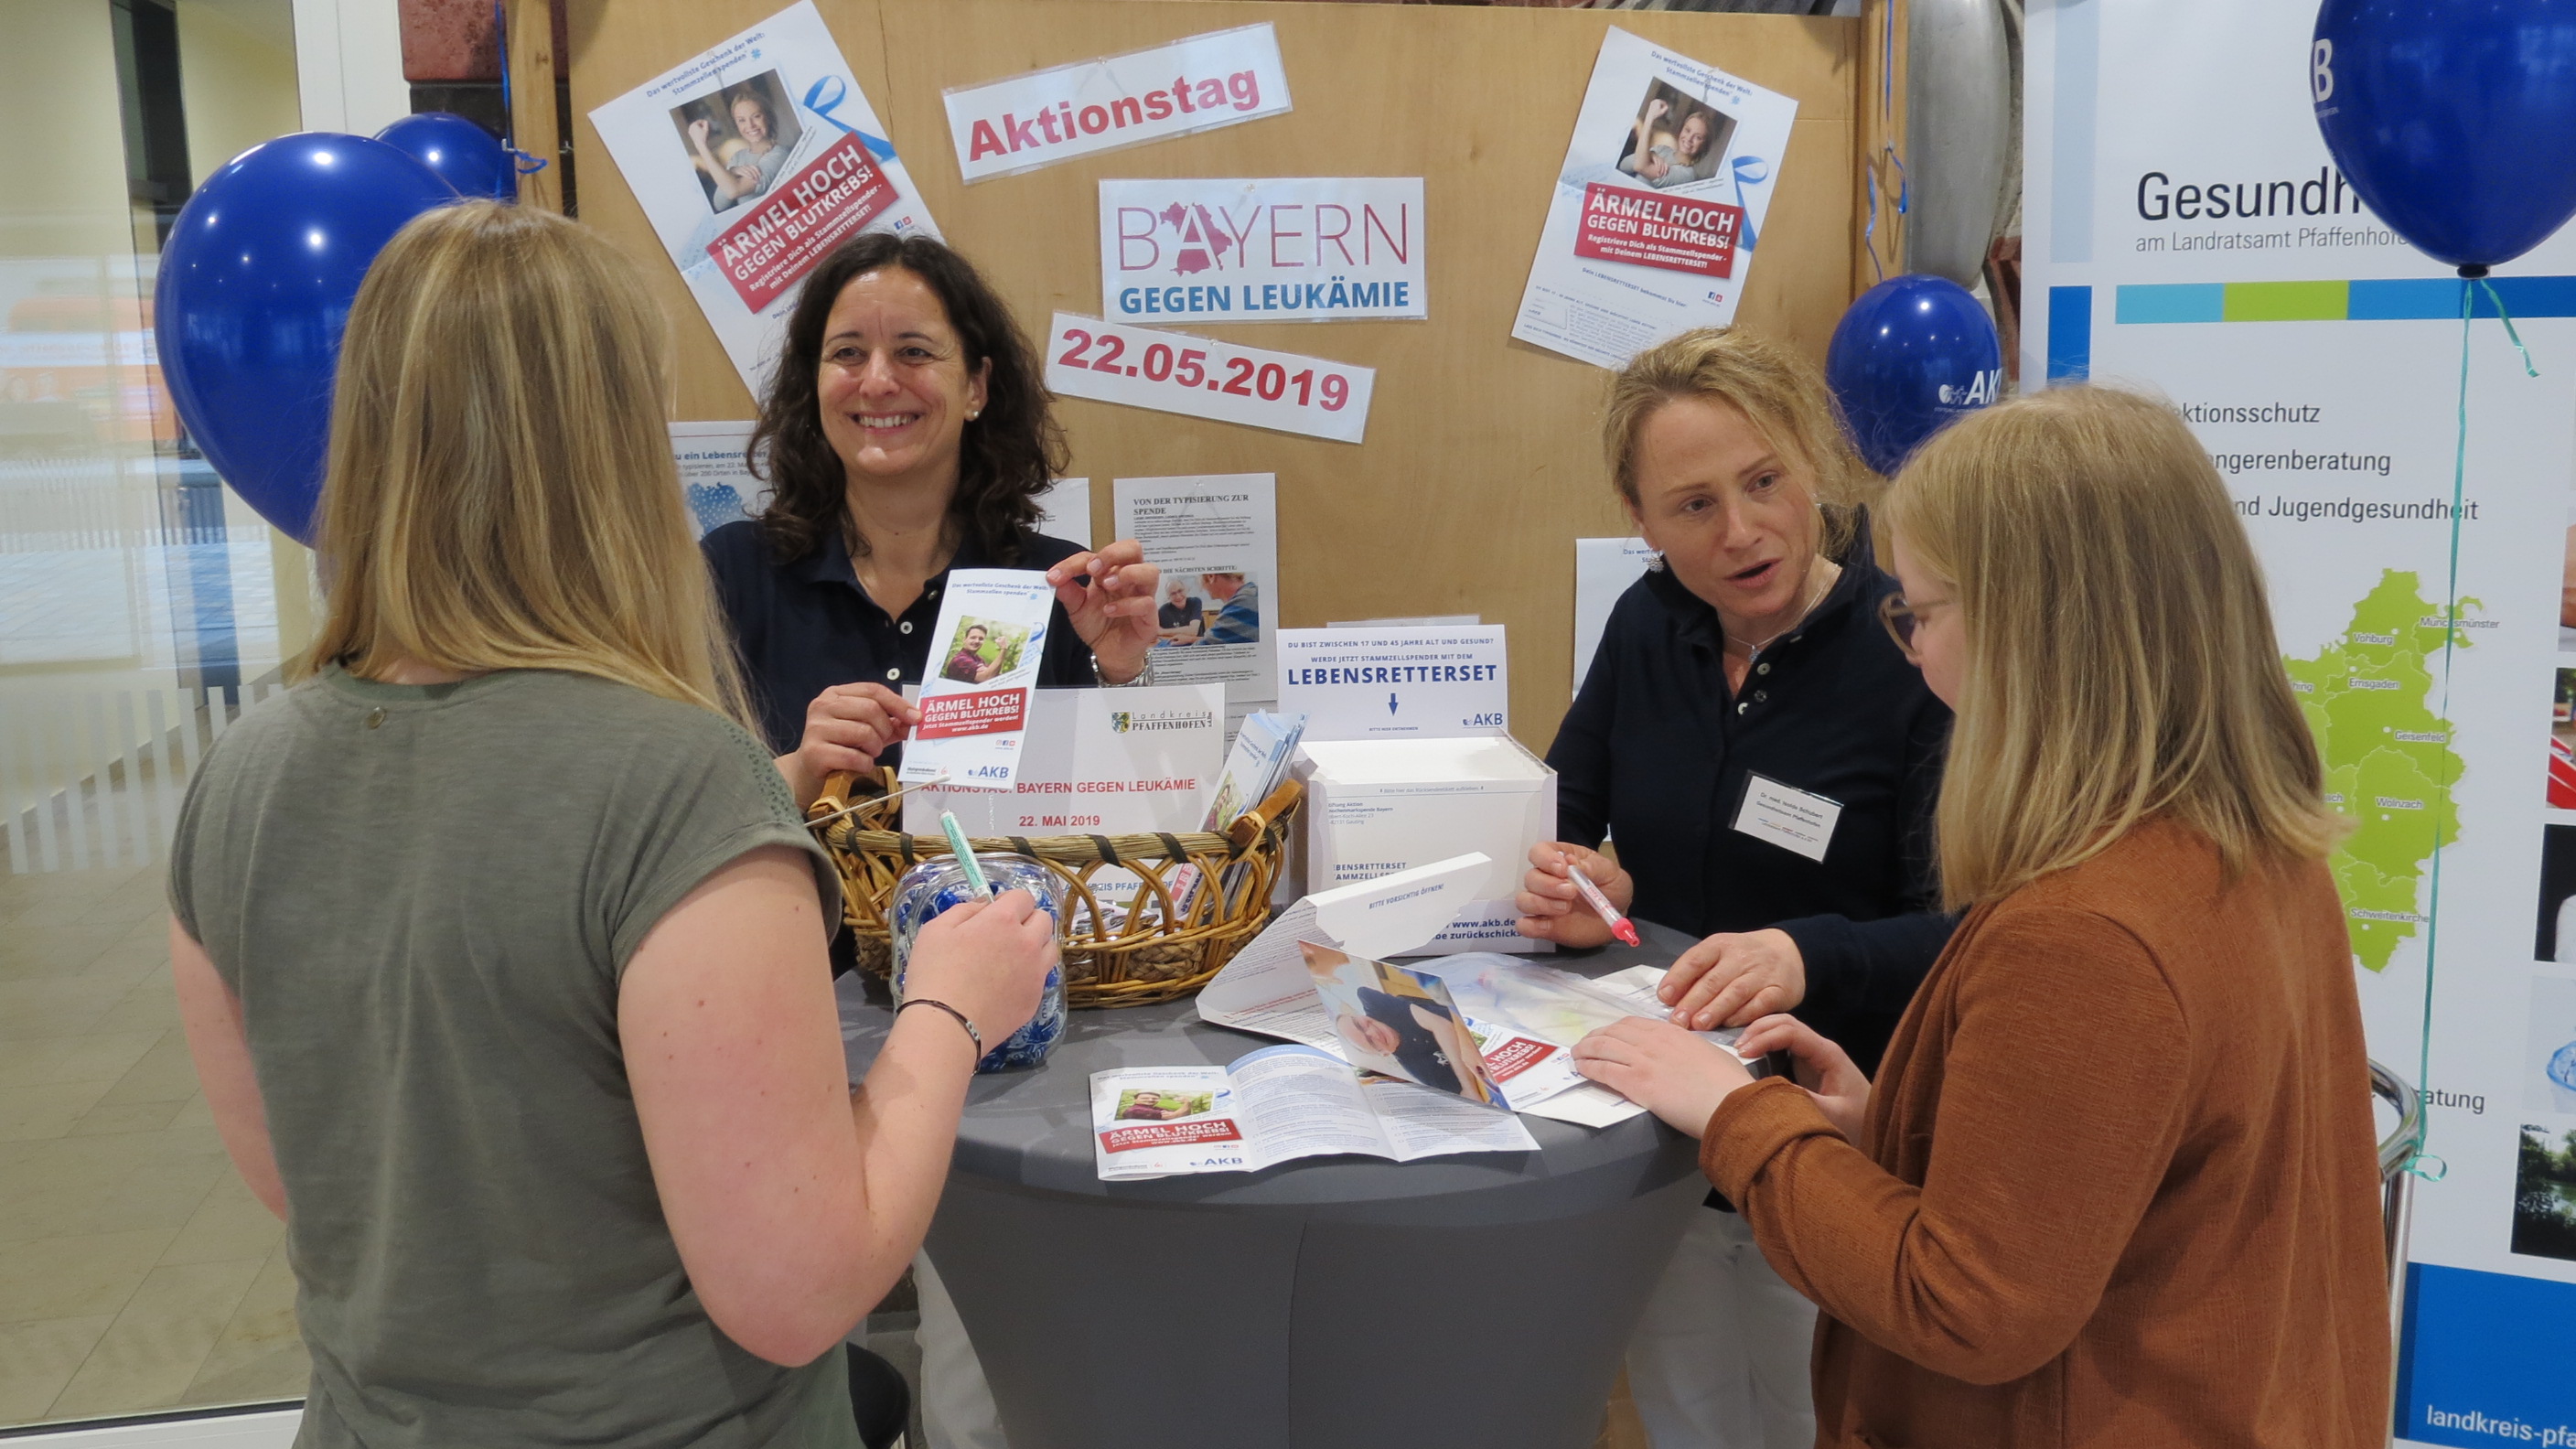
(2389, 762)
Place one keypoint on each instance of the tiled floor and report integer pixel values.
(136, 1272)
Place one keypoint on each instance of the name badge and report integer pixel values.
(1788, 817)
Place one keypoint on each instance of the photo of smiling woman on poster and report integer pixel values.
(738, 140)
(1675, 140)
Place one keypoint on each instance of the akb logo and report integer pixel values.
(1976, 394)
(1059, 124)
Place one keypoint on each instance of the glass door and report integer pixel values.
(141, 609)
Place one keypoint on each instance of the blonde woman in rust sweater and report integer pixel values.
(2116, 1182)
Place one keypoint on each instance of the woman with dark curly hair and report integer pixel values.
(906, 432)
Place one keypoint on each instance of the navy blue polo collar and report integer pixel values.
(1859, 586)
(828, 562)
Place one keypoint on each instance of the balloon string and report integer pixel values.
(2498, 302)
(2424, 1164)
(1869, 227)
(521, 161)
(1887, 152)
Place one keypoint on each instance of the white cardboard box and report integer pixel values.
(1374, 807)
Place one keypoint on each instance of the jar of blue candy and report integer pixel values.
(932, 887)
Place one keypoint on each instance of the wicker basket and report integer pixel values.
(1161, 951)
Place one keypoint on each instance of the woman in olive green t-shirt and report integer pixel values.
(497, 940)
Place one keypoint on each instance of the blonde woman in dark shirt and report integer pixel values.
(498, 942)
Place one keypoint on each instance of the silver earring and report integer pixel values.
(1654, 563)
(974, 413)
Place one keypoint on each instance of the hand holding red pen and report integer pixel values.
(1551, 905)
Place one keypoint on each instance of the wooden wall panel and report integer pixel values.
(1482, 462)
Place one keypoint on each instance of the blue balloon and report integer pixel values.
(462, 153)
(254, 292)
(2454, 119)
(1912, 355)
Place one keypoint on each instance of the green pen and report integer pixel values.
(965, 856)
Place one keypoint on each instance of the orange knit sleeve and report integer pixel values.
(2062, 1090)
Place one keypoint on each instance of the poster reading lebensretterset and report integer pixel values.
(752, 161)
(1657, 207)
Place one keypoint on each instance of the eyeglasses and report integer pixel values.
(1902, 619)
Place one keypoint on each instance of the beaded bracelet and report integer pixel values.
(972, 1034)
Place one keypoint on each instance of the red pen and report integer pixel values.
(1600, 903)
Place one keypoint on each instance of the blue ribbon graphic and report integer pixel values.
(1749, 171)
(824, 97)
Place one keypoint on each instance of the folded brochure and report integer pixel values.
(1275, 1105)
(1527, 1016)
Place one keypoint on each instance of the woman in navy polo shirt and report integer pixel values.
(906, 432)
(1766, 758)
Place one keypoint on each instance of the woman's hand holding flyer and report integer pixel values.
(983, 665)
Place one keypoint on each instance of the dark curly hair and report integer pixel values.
(1012, 453)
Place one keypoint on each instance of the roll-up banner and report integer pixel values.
(2186, 232)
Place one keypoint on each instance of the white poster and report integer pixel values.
(752, 161)
(984, 657)
(1200, 377)
(1604, 568)
(715, 476)
(1216, 539)
(1064, 511)
(2187, 232)
(1026, 121)
(1652, 227)
(1354, 684)
(1097, 762)
(1314, 249)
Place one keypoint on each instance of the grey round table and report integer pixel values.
(1341, 1301)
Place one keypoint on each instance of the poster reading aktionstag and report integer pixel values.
(752, 161)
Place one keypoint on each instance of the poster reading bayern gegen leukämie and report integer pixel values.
(753, 160)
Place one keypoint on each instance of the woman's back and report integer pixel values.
(2154, 1186)
(424, 898)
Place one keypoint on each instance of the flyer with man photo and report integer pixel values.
(752, 161)
(983, 668)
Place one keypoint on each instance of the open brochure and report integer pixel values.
(1526, 1016)
(1400, 1023)
(1561, 1008)
(1276, 986)
(1273, 1106)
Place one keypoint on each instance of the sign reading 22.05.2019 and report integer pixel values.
(1308, 249)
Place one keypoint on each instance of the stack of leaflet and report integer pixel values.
(1263, 746)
